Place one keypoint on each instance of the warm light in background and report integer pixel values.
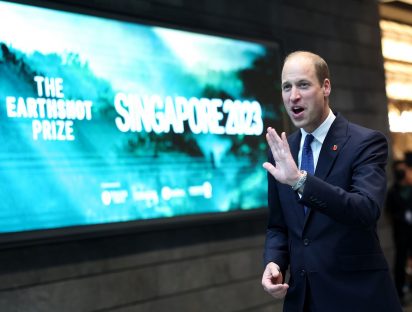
(400, 121)
(397, 53)
(398, 80)
(396, 41)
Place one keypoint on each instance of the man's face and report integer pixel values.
(303, 96)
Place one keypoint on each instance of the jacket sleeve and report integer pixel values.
(358, 199)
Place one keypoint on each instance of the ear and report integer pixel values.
(326, 87)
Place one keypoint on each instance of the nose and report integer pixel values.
(294, 94)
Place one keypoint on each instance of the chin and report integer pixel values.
(299, 123)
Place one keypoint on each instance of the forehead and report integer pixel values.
(298, 68)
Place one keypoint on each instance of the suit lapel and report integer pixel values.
(331, 147)
(333, 144)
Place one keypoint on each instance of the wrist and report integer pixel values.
(300, 182)
(295, 178)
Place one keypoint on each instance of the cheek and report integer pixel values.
(316, 102)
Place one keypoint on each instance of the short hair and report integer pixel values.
(321, 67)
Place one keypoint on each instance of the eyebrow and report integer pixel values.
(297, 82)
(285, 83)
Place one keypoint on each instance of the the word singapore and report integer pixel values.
(177, 114)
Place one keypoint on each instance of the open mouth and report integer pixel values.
(297, 110)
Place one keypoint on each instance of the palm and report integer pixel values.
(285, 170)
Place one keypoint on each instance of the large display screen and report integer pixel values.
(104, 120)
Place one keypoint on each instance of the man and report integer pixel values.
(322, 225)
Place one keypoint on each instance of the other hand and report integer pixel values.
(272, 281)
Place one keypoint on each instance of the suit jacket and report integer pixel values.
(334, 247)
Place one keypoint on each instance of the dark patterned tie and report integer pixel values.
(307, 158)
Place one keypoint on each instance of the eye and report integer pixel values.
(303, 85)
(286, 87)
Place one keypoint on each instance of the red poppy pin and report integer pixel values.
(334, 147)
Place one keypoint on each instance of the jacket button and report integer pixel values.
(302, 272)
(306, 242)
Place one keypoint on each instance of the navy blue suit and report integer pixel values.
(334, 248)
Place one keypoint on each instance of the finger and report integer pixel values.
(271, 272)
(273, 268)
(285, 142)
(281, 294)
(270, 168)
(278, 291)
(278, 144)
(274, 147)
(274, 135)
(277, 288)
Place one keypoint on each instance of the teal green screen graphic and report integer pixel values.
(106, 121)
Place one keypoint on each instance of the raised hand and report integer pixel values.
(285, 171)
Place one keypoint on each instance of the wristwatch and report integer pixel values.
(301, 181)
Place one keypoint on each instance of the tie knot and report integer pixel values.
(308, 140)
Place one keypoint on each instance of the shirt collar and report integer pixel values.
(321, 131)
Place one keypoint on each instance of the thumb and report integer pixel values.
(274, 269)
(270, 168)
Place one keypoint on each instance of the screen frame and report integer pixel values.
(61, 234)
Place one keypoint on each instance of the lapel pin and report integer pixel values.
(334, 147)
